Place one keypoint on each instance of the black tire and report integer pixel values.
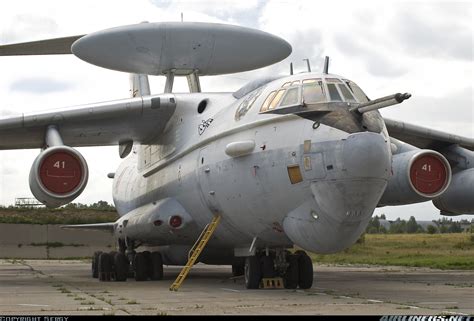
(238, 269)
(148, 264)
(268, 267)
(140, 267)
(95, 264)
(157, 266)
(290, 278)
(121, 267)
(305, 269)
(105, 267)
(253, 273)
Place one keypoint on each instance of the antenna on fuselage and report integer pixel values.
(326, 65)
(291, 68)
(182, 17)
(307, 63)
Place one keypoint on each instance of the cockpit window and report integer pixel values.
(267, 101)
(277, 99)
(333, 80)
(346, 93)
(333, 93)
(295, 83)
(358, 93)
(313, 91)
(286, 84)
(291, 97)
(247, 103)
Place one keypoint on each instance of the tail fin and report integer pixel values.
(139, 85)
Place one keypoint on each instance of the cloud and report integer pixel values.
(40, 85)
(427, 32)
(23, 26)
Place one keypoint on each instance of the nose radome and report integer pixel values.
(342, 204)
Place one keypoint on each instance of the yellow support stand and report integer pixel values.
(196, 251)
(272, 283)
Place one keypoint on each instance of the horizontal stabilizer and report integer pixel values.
(98, 226)
(57, 46)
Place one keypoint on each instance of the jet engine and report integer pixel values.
(58, 175)
(459, 197)
(417, 176)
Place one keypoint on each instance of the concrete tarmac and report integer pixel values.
(53, 287)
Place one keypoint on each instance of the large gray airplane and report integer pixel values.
(286, 161)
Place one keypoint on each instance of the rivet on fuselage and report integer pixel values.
(314, 215)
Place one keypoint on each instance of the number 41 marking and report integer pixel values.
(425, 167)
(60, 164)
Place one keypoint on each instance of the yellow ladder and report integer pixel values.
(196, 251)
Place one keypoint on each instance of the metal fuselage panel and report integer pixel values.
(253, 193)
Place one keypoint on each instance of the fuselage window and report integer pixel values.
(267, 101)
(313, 91)
(295, 83)
(286, 84)
(358, 93)
(346, 93)
(277, 99)
(291, 97)
(333, 93)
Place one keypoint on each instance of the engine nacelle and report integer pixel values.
(459, 197)
(58, 175)
(418, 175)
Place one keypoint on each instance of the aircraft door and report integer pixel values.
(206, 172)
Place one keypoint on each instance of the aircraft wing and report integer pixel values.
(109, 227)
(423, 137)
(137, 119)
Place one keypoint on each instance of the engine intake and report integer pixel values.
(458, 199)
(58, 175)
(418, 175)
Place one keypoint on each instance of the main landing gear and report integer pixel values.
(296, 270)
(116, 266)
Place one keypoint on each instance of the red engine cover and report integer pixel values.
(61, 172)
(428, 174)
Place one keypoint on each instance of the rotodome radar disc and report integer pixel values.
(155, 48)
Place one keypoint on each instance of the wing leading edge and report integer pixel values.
(423, 137)
(100, 124)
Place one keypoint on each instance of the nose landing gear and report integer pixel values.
(296, 270)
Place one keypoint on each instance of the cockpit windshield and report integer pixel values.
(313, 91)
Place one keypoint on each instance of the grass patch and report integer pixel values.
(132, 302)
(440, 251)
(56, 216)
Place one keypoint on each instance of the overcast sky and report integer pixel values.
(423, 47)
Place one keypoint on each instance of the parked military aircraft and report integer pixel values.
(300, 160)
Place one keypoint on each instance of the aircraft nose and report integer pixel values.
(343, 202)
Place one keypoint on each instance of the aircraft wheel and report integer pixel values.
(253, 273)
(121, 267)
(268, 267)
(95, 264)
(238, 269)
(290, 278)
(305, 269)
(140, 267)
(105, 267)
(157, 266)
(148, 264)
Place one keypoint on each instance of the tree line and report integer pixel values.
(411, 226)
